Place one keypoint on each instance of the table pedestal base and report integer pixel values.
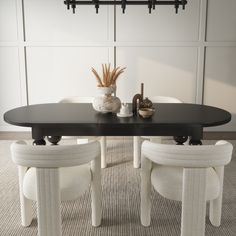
(180, 140)
(39, 142)
(195, 142)
(54, 140)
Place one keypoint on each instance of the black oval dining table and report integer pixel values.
(74, 119)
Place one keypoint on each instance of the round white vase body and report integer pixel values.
(106, 102)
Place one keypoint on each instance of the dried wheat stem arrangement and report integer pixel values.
(109, 76)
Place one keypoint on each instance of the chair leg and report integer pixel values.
(193, 202)
(103, 143)
(137, 151)
(96, 192)
(216, 204)
(25, 203)
(145, 207)
(48, 201)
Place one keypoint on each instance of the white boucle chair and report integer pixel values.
(191, 174)
(51, 174)
(84, 139)
(156, 139)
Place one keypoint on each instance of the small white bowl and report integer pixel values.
(146, 112)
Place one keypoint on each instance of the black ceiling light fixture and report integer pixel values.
(151, 4)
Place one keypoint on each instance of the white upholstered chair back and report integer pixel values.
(56, 171)
(191, 174)
(77, 100)
(84, 139)
(188, 156)
(53, 156)
(137, 139)
(165, 99)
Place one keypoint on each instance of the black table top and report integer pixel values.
(84, 120)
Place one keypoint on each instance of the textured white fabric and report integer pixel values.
(74, 181)
(188, 156)
(168, 181)
(54, 156)
(165, 99)
(60, 174)
(77, 100)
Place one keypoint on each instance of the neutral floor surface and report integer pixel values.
(121, 201)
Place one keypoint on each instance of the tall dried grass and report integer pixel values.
(109, 77)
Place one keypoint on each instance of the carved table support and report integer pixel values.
(39, 142)
(195, 142)
(180, 140)
(196, 136)
(54, 140)
(38, 136)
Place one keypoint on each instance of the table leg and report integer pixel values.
(195, 142)
(196, 136)
(137, 151)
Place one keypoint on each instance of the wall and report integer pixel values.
(46, 52)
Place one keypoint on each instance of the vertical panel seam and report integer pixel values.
(201, 52)
(114, 41)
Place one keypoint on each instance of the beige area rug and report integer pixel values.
(121, 199)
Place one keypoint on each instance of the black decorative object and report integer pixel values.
(151, 4)
(136, 101)
(146, 103)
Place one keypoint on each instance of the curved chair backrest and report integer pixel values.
(164, 99)
(54, 156)
(189, 156)
(77, 100)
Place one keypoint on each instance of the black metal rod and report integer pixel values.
(180, 2)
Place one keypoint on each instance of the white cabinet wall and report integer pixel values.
(220, 59)
(62, 76)
(12, 71)
(8, 21)
(220, 81)
(49, 21)
(162, 25)
(165, 71)
(46, 52)
(10, 84)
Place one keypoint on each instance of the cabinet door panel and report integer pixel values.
(161, 25)
(221, 20)
(8, 22)
(10, 86)
(51, 21)
(58, 72)
(165, 71)
(220, 81)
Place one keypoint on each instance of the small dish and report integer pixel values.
(146, 112)
(124, 115)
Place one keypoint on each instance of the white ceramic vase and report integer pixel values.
(106, 102)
